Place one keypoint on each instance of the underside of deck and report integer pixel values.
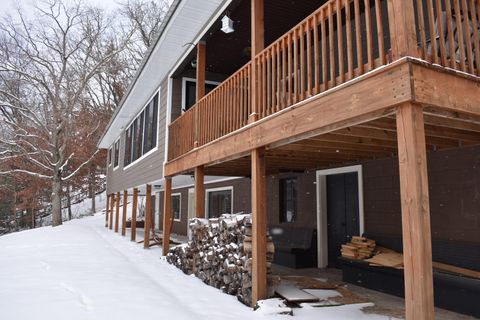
(350, 123)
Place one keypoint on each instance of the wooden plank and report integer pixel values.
(468, 41)
(476, 36)
(460, 33)
(294, 295)
(348, 17)
(107, 211)
(421, 30)
(117, 211)
(367, 97)
(415, 213)
(341, 66)
(331, 37)
(199, 192)
(324, 86)
(259, 226)
(148, 216)
(133, 234)
(431, 26)
(167, 211)
(124, 212)
(316, 56)
(451, 41)
(369, 33)
(201, 65)
(403, 35)
(112, 203)
(358, 34)
(445, 89)
(380, 39)
(456, 270)
(441, 40)
(258, 44)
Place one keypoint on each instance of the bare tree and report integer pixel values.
(46, 66)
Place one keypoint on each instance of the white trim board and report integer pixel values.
(207, 204)
(179, 194)
(184, 89)
(322, 236)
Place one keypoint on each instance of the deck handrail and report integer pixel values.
(323, 51)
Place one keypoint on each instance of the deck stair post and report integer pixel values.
(200, 88)
(258, 44)
(417, 246)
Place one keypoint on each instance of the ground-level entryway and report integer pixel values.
(384, 304)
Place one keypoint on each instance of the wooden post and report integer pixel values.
(133, 235)
(107, 211)
(417, 247)
(200, 92)
(258, 44)
(259, 226)
(403, 34)
(117, 211)
(199, 192)
(148, 216)
(167, 199)
(112, 203)
(124, 213)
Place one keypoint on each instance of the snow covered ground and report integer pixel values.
(82, 270)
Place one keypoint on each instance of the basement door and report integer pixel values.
(342, 213)
(339, 211)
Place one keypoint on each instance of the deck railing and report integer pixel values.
(340, 41)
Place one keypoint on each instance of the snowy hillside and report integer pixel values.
(82, 270)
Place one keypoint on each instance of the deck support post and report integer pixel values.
(199, 192)
(107, 211)
(403, 34)
(112, 203)
(417, 246)
(124, 213)
(259, 226)
(133, 234)
(148, 216)
(200, 87)
(167, 200)
(258, 44)
(117, 211)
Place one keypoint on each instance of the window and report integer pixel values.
(110, 156)
(219, 201)
(288, 199)
(176, 213)
(116, 148)
(141, 135)
(190, 91)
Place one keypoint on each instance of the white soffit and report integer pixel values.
(185, 25)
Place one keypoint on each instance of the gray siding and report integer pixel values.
(148, 169)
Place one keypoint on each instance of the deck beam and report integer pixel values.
(417, 247)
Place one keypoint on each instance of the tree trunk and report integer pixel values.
(69, 202)
(32, 213)
(93, 183)
(56, 202)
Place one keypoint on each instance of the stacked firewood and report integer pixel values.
(220, 254)
(358, 248)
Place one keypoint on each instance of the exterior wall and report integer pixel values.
(147, 169)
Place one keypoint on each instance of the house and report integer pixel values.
(344, 116)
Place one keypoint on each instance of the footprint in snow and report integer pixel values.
(83, 300)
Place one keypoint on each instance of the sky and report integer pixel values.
(10, 5)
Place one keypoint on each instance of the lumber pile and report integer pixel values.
(220, 254)
(358, 248)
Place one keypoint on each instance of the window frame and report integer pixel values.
(283, 199)
(207, 202)
(184, 89)
(179, 195)
(115, 167)
(131, 123)
(109, 156)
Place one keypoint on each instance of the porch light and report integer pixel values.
(227, 24)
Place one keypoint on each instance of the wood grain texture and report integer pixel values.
(417, 247)
(124, 212)
(167, 200)
(199, 192)
(259, 226)
(133, 234)
(148, 216)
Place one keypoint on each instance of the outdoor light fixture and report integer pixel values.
(227, 24)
